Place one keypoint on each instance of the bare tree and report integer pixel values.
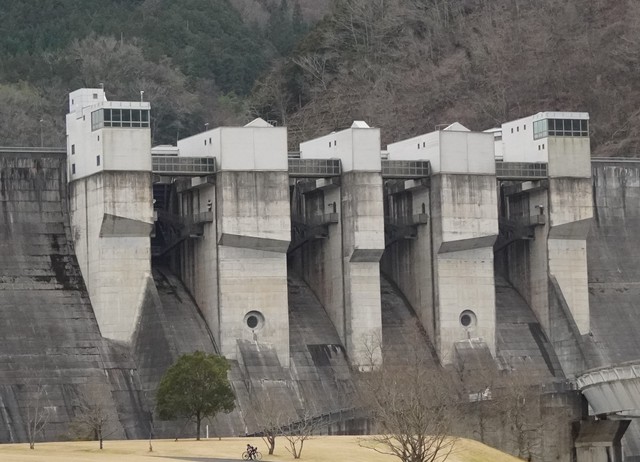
(316, 66)
(519, 401)
(94, 418)
(38, 413)
(413, 404)
(270, 418)
(296, 433)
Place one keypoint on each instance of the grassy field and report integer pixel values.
(319, 449)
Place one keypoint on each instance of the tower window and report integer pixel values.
(73, 149)
(120, 118)
(98, 160)
(73, 169)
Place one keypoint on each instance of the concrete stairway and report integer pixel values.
(49, 337)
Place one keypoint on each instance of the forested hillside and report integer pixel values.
(315, 65)
(409, 65)
(196, 60)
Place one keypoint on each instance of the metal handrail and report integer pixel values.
(408, 169)
(521, 170)
(187, 166)
(314, 168)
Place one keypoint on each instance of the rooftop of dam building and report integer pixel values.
(509, 250)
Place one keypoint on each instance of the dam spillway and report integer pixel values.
(512, 253)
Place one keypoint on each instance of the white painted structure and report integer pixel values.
(96, 145)
(258, 146)
(459, 300)
(109, 173)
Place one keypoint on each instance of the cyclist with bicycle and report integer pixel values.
(251, 452)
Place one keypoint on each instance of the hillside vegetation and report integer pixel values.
(196, 60)
(316, 65)
(409, 65)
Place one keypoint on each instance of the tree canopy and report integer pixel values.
(195, 387)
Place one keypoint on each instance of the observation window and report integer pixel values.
(560, 127)
(120, 118)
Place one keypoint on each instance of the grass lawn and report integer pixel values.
(318, 449)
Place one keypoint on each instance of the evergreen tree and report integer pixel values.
(195, 387)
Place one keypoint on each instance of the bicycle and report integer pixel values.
(256, 456)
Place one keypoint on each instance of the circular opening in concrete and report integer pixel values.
(254, 320)
(468, 318)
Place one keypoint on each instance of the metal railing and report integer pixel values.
(408, 169)
(183, 166)
(521, 170)
(314, 168)
(417, 219)
(199, 218)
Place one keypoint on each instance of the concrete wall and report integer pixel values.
(613, 252)
(363, 244)
(238, 266)
(570, 213)
(569, 157)
(465, 225)
(111, 216)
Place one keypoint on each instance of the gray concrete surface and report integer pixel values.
(49, 337)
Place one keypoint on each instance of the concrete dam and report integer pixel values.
(509, 249)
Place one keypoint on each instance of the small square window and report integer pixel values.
(73, 169)
(95, 96)
(98, 160)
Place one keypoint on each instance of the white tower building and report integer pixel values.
(109, 174)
